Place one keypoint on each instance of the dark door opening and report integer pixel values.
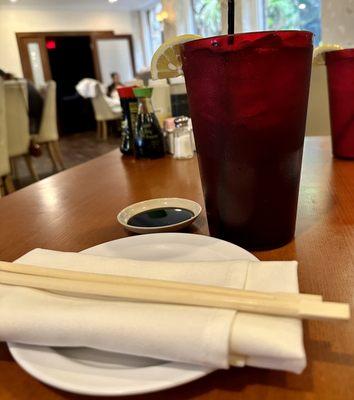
(70, 60)
(68, 57)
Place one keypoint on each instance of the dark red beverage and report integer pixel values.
(340, 72)
(248, 99)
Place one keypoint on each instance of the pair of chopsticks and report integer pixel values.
(302, 306)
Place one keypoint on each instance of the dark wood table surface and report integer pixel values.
(77, 209)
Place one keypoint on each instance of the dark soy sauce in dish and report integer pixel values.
(160, 217)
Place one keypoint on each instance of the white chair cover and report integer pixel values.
(4, 155)
(103, 111)
(16, 98)
(48, 131)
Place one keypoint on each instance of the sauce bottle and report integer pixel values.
(130, 108)
(149, 142)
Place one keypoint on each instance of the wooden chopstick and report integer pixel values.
(297, 309)
(126, 280)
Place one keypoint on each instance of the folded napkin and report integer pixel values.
(194, 335)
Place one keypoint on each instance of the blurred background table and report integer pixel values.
(77, 209)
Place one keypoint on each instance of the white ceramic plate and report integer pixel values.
(92, 372)
(148, 205)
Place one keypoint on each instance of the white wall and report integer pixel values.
(17, 19)
(338, 22)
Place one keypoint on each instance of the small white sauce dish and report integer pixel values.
(127, 213)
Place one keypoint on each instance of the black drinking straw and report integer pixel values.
(231, 17)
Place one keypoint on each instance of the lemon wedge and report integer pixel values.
(166, 62)
(319, 52)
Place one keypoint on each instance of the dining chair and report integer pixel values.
(6, 183)
(48, 130)
(103, 113)
(17, 123)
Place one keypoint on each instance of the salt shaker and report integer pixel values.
(183, 147)
(169, 127)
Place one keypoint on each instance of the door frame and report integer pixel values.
(24, 37)
(22, 42)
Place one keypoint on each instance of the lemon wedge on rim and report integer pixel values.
(166, 62)
(319, 52)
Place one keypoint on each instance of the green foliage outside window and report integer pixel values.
(155, 26)
(294, 14)
(280, 14)
(207, 15)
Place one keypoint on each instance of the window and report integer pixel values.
(294, 14)
(155, 27)
(207, 17)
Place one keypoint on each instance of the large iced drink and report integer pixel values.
(248, 98)
(340, 72)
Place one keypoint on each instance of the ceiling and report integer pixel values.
(119, 4)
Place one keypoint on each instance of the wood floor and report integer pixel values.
(76, 149)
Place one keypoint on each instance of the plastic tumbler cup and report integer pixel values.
(248, 98)
(340, 73)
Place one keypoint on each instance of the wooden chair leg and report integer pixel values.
(104, 130)
(58, 153)
(53, 156)
(14, 167)
(8, 184)
(31, 168)
(99, 130)
(2, 188)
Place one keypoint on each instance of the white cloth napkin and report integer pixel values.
(194, 335)
(87, 88)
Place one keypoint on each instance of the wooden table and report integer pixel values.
(77, 209)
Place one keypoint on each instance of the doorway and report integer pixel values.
(70, 60)
(68, 57)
